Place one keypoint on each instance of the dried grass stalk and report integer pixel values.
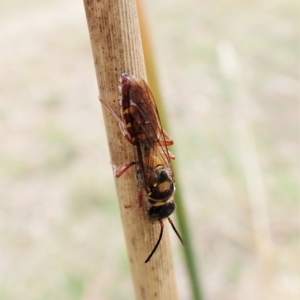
(116, 44)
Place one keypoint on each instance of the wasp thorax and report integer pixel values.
(163, 186)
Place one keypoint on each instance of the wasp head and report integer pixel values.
(161, 212)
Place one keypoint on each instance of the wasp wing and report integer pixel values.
(140, 111)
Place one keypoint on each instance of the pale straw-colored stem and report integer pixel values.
(116, 44)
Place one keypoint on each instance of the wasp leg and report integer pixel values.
(139, 202)
(140, 199)
(164, 140)
(168, 140)
(164, 143)
(171, 155)
(121, 124)
(118, 172)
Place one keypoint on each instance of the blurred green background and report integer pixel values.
(228, 72)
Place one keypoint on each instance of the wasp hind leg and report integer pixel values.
(167, 141)
(171, 155)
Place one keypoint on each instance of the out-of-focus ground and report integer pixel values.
(228, 73)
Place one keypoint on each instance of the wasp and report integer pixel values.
(141, 126)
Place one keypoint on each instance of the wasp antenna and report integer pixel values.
(174, 228)
(158, 241)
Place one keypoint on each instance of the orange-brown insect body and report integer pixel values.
(142, 128)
